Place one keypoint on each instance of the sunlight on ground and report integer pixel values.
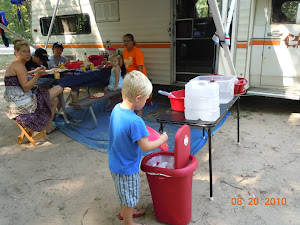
(205, 157)
(294, 119)
(205, 176)
(67, 185)
(248, 179)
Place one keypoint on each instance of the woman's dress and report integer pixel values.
(28, 109)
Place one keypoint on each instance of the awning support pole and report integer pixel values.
(220, 28)
(51, 24)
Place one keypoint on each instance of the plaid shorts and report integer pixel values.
(127, 188)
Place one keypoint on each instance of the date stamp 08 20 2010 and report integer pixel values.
(256, 201)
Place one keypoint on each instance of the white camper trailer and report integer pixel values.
(175, 37)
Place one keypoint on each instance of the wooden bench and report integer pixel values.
(88, 102)
(84, 102)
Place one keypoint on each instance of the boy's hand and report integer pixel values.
(164, 137)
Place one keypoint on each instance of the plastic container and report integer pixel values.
(226, 86)
(96, 59)
(205, 115)
(201, 95)
(177, 100)
(202, 103)
(239, 87)
(201, 88)
(73, 65)
(171, 189)
(202, 100)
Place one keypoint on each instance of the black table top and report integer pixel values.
(176, 117)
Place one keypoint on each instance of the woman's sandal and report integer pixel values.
(134, 215)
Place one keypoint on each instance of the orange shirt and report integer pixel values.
(133, 59)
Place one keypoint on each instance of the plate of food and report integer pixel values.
(97, 95)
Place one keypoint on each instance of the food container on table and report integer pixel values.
(73, 65)
(226, 86)
(56, 74)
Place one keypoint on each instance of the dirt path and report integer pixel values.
(62, 182)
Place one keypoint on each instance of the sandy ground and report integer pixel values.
(62, 182)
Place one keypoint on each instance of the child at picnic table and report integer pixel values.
(127, 137)
(57, 56)
(115, 80)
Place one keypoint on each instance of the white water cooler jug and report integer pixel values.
(202, 100)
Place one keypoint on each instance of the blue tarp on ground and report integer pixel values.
(98, 138)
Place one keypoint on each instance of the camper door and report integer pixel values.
(276, 39)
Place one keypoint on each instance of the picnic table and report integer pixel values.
(73, 78)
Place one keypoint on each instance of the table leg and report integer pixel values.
(161, 128)
(63, 106)
(238, 119)
(210, 164)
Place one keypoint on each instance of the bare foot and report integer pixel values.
(136, 213)
(51, 130)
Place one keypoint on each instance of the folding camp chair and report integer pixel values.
(28, 133)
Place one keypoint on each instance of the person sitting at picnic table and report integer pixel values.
(115, 80)
(57, 57)
(133, 58)
(35, 111)
(38, 59)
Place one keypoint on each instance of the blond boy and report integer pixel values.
(127, 137)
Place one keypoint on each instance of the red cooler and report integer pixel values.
(171, 189)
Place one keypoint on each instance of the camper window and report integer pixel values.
(107, 11)
(284, 11)
(67, 24)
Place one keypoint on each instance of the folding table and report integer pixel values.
(176, 117)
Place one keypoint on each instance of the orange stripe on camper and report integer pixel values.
(258, 42)
(144, 45)
(241, 45)
(266, 42)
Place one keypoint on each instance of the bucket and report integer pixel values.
(96, 59)
(171, 189)
(239, 87)
(177, 100)
(73, 65)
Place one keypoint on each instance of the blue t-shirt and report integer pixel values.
(125, 129)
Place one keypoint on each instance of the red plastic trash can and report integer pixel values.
(171, 190)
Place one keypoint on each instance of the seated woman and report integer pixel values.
(35, 111)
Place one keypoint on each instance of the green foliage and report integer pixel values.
(22, 27)
(203, 8)
(289, 8)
